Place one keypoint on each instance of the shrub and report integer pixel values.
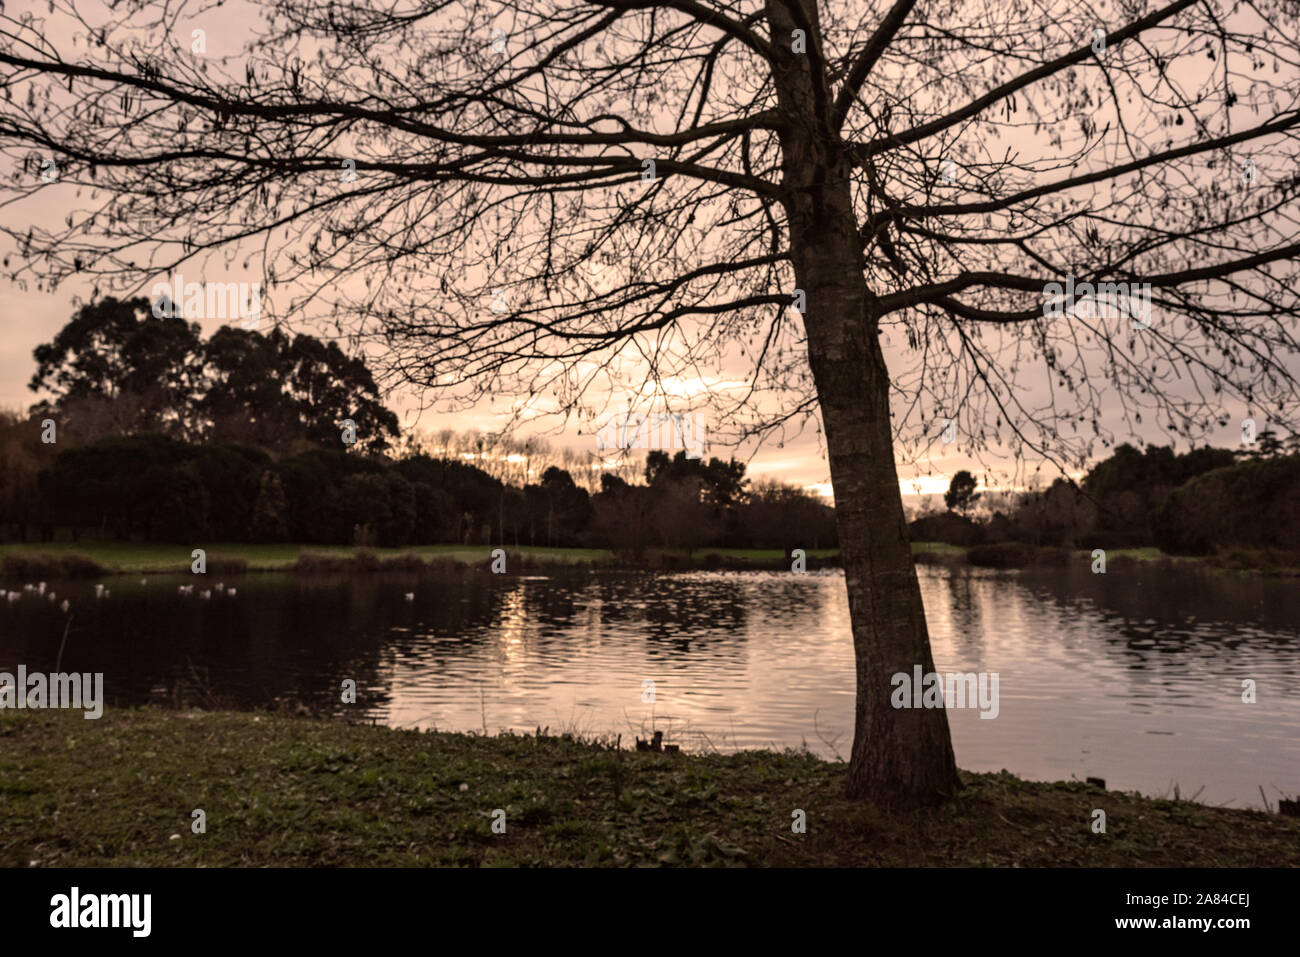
(225, 565)
(1253, 504)
(947, 527)
(362, 560)
(50, 566)
(1003, 555)
(321, 563)
(406, 562)
(1052, 557)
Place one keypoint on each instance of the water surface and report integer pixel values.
(1133, 677)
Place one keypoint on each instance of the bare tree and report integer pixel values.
(554, 202)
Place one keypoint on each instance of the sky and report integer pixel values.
(30, 317)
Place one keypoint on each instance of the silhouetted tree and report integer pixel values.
(961, 494)
(270, 514)
(22, 457)
(116, 354)
(623, 516)
(477, 495)
(1255, 503)
(776, 515)
(116, 369)
(272, 390)
(1129, 486)
(621, 178)
(558, 508)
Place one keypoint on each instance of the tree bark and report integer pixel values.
(900, 757)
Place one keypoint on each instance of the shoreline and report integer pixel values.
(91, 559)
(279, 790)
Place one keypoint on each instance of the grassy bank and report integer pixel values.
(1009, 555)
(135, 557)
(30, 561)
(285, 791)
(141, 558)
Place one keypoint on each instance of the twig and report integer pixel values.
(66, 628)
(1265, 799)
(414, 721)
(1016, 826)
(708, 741)
(830, 743)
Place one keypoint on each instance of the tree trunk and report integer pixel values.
(900, 757)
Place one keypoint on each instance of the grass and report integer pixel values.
(136, 557)
(1149, 554)
(937, 548)
(288, 791)
(759, 554)
(938, 553)
(33, 565)
(1230, 561)
(73, 559)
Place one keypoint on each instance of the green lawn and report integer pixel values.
(938, 548)
(286, 791)
(1149, 554)
(129, 557)
(139, 557)
(757, 554)
(155, 558)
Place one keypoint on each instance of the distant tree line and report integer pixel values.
(162, 436)
(1188, 503)
(152, 487)
(165, 436)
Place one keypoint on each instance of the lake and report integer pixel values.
(1135, 677)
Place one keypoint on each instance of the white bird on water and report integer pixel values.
(205, 594)
(64, 607)
(232, 592)
(220, 587)
(40, 589)
(99, 591)
(410, 596)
